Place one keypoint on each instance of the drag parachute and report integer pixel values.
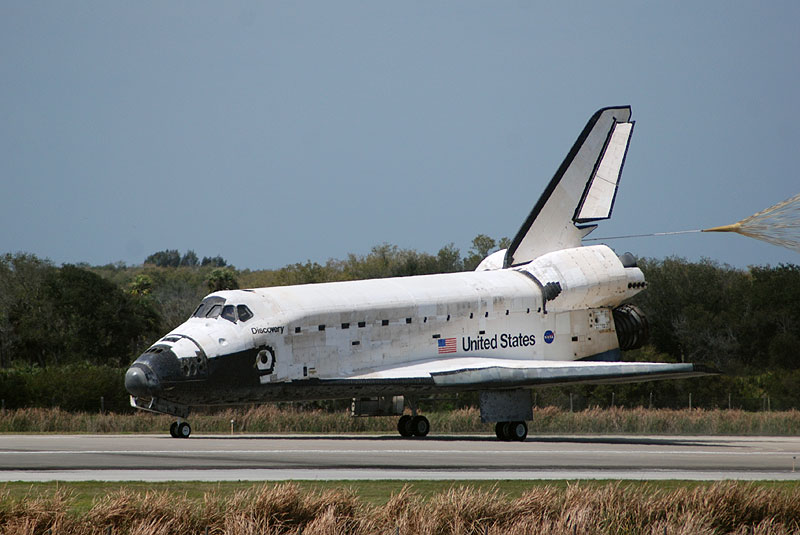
(778, 224)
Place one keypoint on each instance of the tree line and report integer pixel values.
(106, 315)
(739, 321)
(744, 322)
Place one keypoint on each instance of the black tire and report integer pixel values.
(184, 430)
(420, 426)
(404, 426)
(173, 430)
(506, 431)
(498, 430)
(517, 431)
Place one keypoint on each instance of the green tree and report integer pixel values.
(177, 293)
(190, 259)
(95, 320)
(141, 285)
(222, 279)
(482, 246)
(166, 258)
(773, 330)
(71, 314)
(25, 312)
(214, 261)
(741, 321)
(448, 259)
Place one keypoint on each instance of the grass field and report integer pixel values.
(425, 507)
(391, 507)
(271, 419)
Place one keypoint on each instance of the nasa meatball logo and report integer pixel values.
(549, 337)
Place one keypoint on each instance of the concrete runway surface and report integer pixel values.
(318, 457)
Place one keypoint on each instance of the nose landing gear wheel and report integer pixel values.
(180, 430)
(184, 430)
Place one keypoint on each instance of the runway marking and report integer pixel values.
(392, 452)
(143, 459)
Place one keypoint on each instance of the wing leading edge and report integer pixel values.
(477, 373)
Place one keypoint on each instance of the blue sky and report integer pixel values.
(277, 132)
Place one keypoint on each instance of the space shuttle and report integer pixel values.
(546, 311)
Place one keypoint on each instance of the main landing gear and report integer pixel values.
(417, 426)
(180, 429)
(511, 431)
(413, 425)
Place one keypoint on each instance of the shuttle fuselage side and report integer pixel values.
(337, 330)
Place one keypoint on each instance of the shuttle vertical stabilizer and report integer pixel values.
(582, 190)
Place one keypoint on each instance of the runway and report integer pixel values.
(319, 457)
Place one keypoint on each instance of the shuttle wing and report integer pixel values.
(489, 373)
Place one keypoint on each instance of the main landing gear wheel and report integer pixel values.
(511, 431)
(180, 430)
(420, 426)
(404, 426)
(417, 426)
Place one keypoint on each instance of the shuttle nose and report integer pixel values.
(156, 370)
(137, 384)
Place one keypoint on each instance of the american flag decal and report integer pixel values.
(447, 345)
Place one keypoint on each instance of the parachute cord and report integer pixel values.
(644, 235)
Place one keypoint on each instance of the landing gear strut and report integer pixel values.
(180, 429)
(511, 431)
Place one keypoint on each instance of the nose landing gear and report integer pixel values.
(180, 429)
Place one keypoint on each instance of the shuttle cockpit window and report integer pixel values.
(244, 313)
(229, 313)
(215, 307)
(207, 306)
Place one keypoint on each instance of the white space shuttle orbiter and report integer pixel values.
(546, 311)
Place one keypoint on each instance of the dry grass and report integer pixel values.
(720, 508)
(549, 420)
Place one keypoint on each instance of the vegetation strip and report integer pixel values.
(83, 325)
(508, 507)
(548, 420)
